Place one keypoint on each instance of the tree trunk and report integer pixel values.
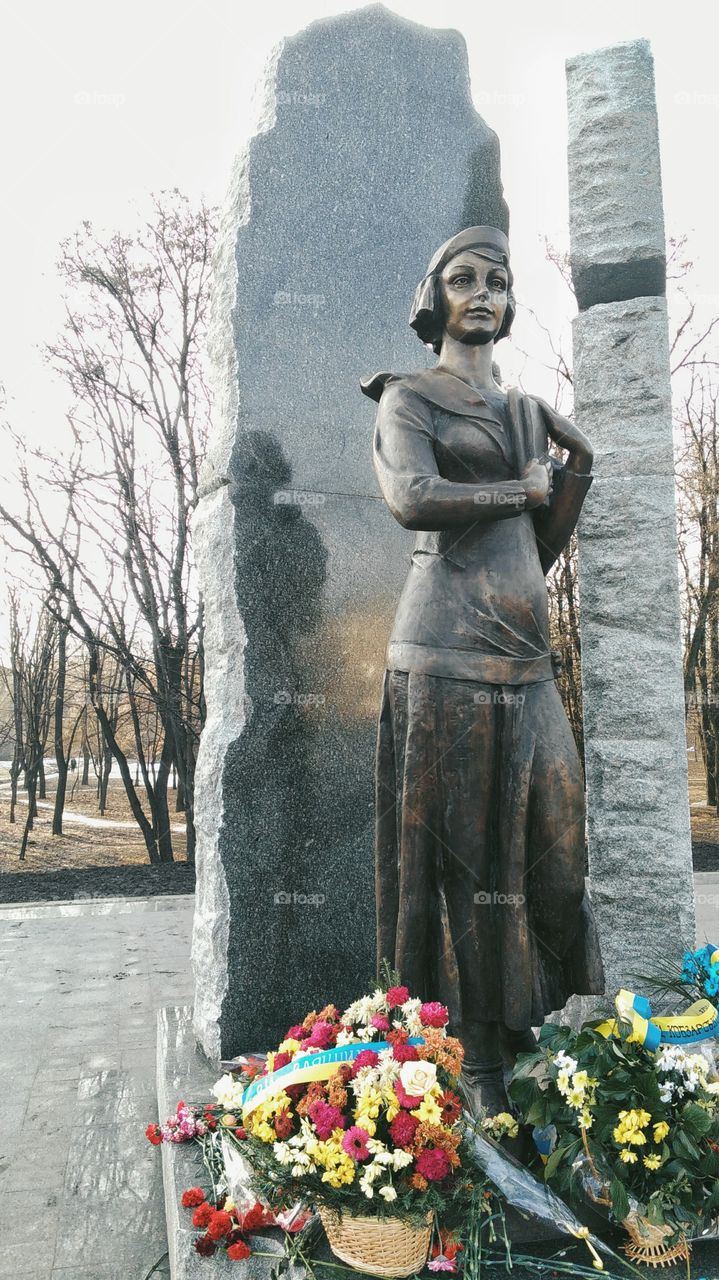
(61, 760)
(42, 795)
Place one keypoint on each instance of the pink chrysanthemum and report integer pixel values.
(355, 1143)
(433, 1014)
(322, 1036)
(326, 1118)
(380, 1022)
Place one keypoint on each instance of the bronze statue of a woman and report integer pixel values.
(481, 898)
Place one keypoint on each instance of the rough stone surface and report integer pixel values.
(635, 740)
(367, 155)
(616, 218)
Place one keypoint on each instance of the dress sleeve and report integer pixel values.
(406, 466)
(555, 524)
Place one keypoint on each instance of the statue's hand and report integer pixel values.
(537, 480)
(568, 436)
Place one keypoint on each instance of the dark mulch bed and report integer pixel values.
(97, 882)
(705, 855)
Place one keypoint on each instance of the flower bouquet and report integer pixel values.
(357, 1114)
(630, 1127)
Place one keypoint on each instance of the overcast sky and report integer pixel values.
(104, 103)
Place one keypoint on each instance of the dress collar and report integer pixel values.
(453, 394)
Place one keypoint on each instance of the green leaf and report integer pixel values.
(553, 1162)
(683, 1147)
(619, 1198)
(697, 1120)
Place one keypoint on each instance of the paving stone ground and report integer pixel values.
(80, 1188)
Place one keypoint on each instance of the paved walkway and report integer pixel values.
(80, 1187)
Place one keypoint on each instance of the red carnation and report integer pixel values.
(253, 1218)
(294, 1091)
(240, 1133)
(451, 1107)
(405, 1053)
(433, 1164)
(365, 1058)
(205, 1246)
(283, 1125)
(193, 1197)
(219, 1225)
(210, 1120)
(201, 1216)
(433, 1014)
(281, 1060)
(397, 996)
(239, 1251)
(402, 1129)
(296, 1033)
(153, 1134)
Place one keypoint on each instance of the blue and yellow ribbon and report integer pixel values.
(699, 1022)
(308, 1066)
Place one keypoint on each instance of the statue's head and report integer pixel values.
(467, 291)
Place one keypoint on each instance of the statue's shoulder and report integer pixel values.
(376, 385)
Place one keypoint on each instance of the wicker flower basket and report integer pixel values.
(379, 1246)
(646, 1243)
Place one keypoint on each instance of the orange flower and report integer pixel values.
(309, 1022)
(418, 1182)
(328, 1014)
(435, 1135)
(446, 1051)
(315, 1093)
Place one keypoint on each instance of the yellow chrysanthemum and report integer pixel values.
(428, 1112)
(580, 1080)
(563, 1081)
(629, 1157)
(586, 1119)
(289, 1046)
(575, 1098)
(660, 1131)
(651, 1162)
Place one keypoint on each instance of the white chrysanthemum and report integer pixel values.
(565, 1062)
(388, 1193)
(412, 1021)
(345, 1037)
(400, 1159)
(283, 1152)
(366, 1186)
(228, 1091)
(298, 1171)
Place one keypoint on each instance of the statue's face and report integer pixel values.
(474, 298)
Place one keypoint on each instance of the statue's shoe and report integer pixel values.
(483, 1093)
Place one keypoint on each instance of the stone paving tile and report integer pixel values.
(77, 1062)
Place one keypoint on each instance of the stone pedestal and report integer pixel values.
(367, 155)
(635, 741)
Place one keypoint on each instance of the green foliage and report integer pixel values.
(605, 1096)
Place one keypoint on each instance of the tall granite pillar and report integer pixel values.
(367, 155)
(638, 810)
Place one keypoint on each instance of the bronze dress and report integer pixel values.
(480, 815)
